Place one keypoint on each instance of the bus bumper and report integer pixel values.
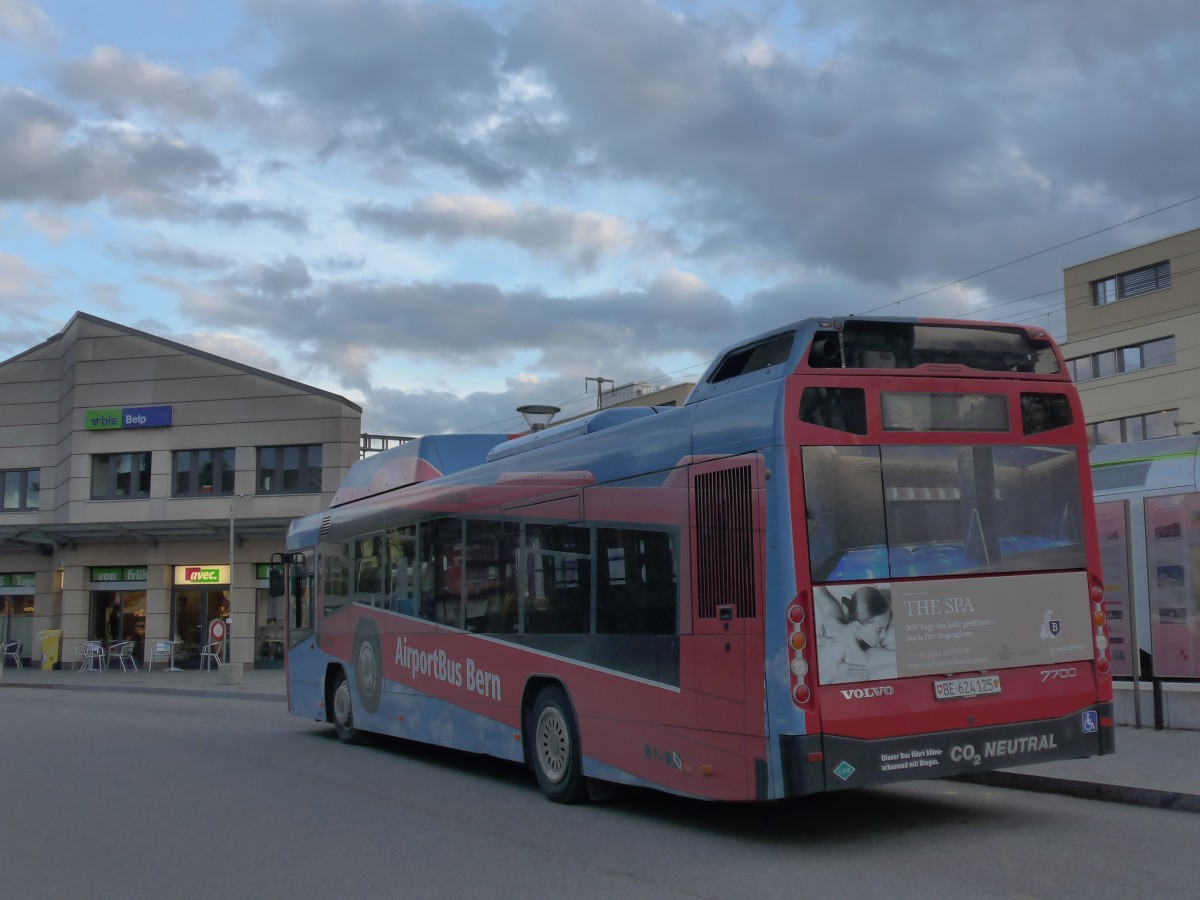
(827, 762)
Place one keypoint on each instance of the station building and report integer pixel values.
(146, 486)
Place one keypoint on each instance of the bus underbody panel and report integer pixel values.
(813, 763)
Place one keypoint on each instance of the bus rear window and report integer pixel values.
(842, 409)
(1043, 412)
(865, 344)
(923, 511)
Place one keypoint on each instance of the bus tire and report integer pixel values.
(368, 664)
(341, 710)
(554, 747)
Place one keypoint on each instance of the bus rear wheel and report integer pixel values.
(554, 748)
(341, 708)
(368, 664)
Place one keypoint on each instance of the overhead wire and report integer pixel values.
(1062, 290)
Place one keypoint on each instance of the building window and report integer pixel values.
(200, 472)
(120, 476)
(1132, 284)
(22, 488)
(289, 470)
(1134, 428)
(1131, 358)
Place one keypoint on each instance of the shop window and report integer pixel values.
(21, 487)
(198, 473)
(289, 470)
(120, 476)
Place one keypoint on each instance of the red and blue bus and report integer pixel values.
(861, 552)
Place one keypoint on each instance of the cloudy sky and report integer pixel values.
(443, 210)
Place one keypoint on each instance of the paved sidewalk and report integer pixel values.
(1150, 768)
(256, 684)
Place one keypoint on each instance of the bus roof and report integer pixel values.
(1144, 467)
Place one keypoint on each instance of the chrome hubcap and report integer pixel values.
(553, 744)
(343, 711)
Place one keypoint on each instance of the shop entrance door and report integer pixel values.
(16, 622)
(194, 611)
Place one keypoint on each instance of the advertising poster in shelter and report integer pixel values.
(1173, 564)
(1112, 526)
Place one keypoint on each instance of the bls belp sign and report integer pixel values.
(127, 417)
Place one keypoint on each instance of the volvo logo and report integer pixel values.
(885, 690)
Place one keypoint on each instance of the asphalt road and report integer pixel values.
(132, 795)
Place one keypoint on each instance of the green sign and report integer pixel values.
(263, 571)
(110, 574)
(17, 579)
(102, 419)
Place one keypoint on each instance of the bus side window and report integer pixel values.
(442, 571)
(333, 582)
(402, 586)
(367, 569)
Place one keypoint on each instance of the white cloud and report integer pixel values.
(27, 24)
(53, 228)
(575, 239)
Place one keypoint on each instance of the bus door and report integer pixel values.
(301, 661)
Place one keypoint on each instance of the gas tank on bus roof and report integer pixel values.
(421, 459)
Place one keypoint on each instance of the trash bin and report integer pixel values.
(51, 643)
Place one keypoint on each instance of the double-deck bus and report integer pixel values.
(862, 551)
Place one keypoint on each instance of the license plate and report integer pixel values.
(976, 686)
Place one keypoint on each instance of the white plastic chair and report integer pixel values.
(122, 652)
(12, 649)
(211, 652)
(160, 652)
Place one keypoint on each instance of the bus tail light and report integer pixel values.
(1100, 620)
(797, 644)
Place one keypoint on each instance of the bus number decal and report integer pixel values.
(1063, 673)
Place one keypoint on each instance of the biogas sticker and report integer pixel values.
(844, 770)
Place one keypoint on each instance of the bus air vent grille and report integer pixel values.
(725, 542)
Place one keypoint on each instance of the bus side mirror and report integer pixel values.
(275, 579)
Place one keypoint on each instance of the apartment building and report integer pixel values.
(1133, 339)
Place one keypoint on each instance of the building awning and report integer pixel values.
(49, 538)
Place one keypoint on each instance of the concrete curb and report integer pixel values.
(151, 689)
(1088, 790)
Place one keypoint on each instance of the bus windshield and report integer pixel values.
(909, 511)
